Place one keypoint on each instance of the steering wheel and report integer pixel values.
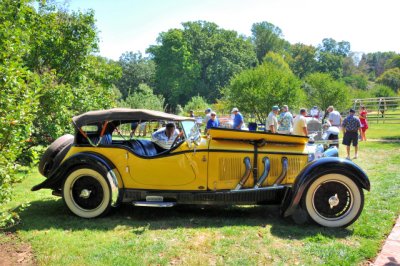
(176, 140)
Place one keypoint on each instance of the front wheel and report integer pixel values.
(334, 200)
(87, 193)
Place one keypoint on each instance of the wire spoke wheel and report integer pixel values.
(334, 200)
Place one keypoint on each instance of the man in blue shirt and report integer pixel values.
(238, 121)
(213, 122)
(351, 125)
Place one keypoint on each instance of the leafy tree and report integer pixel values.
(393, 62)
(136, 70)
(323, 90)
(255, 91)
(19, 90)
(143, 98)
(380, 91)
(266, 37)
(357, 81)
(303, 60)
(198, 60)
(198, 104)
(390, 78)
(331, 55)
(373, 64)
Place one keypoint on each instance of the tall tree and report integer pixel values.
(256, 90)
(267, 37)
(136, 70)
(198, 60)
(303, 60)
(390, 78)
(323, 90)
(331, 55)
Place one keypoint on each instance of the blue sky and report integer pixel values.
(134, 25)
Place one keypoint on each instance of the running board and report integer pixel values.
(160, 204)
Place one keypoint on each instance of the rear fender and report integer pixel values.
(56, 179)
(316, 169)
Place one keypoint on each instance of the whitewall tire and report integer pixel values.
(334, 200)
(87, 193)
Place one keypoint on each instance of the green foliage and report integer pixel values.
(303, 61)
(323, 90)
(390, 78)
(266, 37)
(382, 91)
(19, 90)
(374, 63)
(256, 90)
(198, 104)
(136, 70)
(143, 98)
(356, 81)
(198, 60)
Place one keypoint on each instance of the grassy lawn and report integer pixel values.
(191, 235)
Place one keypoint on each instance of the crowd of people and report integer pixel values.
(281, 121)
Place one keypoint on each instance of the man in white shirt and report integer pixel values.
(334, 117)
(165, 136)
(300, 124)
(271, 125)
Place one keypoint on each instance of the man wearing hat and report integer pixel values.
(238, 121)
(351, 126)
(271, 125)
(207, 112)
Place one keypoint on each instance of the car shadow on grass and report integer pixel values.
(53, 214)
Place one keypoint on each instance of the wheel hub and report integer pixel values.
(333, 201)
(85, 193)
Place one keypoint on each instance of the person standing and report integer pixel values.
(285, 125)
(334, 117)
(213, 122)
(191, 113)
(271, 124)
(314, 112)
(238, 121)
(364, 122)
(351, 126)
(300, 123)
(207, 112)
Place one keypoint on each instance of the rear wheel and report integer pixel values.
(87, 193)
(334, 200)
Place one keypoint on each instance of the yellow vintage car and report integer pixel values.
(112, 160)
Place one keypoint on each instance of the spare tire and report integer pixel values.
(54, 154)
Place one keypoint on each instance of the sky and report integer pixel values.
(134, 25)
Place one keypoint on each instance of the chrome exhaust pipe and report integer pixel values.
(246, 175)
(283, 173)
(264, 175)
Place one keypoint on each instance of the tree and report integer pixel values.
(390, 78)
(380, 91)
(323, 90)
(143, 98)
(330, 57)
(303, 60)
(266, 37)
(198, 60)
(198, 104)
(373, 64)
(136, 70)
(255, 91)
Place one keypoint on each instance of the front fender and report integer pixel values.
(320, 167)
(55, 180)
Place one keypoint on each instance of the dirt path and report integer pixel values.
(13, 252)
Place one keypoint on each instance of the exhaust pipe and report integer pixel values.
(264, 175)
(283, 173)
(246, 175)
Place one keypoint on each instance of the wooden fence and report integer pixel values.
(380, 110)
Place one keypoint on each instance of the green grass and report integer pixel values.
(383, 131)
(192, 235)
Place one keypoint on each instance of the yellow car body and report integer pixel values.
(224, 167)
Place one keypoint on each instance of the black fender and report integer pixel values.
(314, 170)
(57, 177)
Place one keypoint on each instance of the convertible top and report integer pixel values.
(124, 114)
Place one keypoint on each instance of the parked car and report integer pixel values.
(105, 163)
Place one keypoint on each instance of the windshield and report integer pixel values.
(190, 129)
